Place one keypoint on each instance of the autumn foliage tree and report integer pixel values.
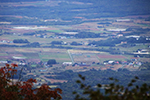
(23, 90)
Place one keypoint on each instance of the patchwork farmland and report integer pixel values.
(44, 54)
(81, 56)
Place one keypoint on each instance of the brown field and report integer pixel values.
(115, 67)
(4, 57)
(83, 51)
(21, 31)
(53, 80)
(5, 49)
(145, 59)
(85, 58)
(33, 60)
(125, 24)
(56, 81)
(111, 56)
(16, 54)
(77, 67)
(87, 26)
(85, 68)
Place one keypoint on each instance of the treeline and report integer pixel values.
(82, 35)
(87, 35)
(28, 44)
(62, 43)
(34, 44)
(137, 31)
(20, 41)
(25, 21)
(114, 41)
(57, 42)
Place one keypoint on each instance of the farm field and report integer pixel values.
(61, 55)
(89, 57)
(34, 54)
(103, 57)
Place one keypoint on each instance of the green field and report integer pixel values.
(59, 57)
(56, 31)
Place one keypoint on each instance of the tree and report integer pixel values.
(20, 41)
(23, 90)
(56, 42)
(51, 61)
(113, 91)
(75, 43)
(34, 44)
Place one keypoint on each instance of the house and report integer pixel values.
(142, 51)
(67, 63)
(147, 38)
(123, 42)
(22, 63)
(116, 30)
(123, 20)
(110, 62)
(119, 35)
(133, 36)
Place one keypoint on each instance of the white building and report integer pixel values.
(67, 63)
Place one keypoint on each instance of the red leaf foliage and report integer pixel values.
(23, 90)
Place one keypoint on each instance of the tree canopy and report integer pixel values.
(51, 61)
(20, 41)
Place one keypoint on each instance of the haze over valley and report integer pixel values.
(55, 40)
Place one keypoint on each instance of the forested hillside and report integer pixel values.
(67, 9)
(100, 77)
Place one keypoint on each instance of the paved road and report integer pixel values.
(70, 56)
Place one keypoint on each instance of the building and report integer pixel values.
(67, 63)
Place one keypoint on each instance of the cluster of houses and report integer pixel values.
(6, 41)
(53, 37)
(132, 62)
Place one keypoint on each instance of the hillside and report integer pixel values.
(74, 9)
